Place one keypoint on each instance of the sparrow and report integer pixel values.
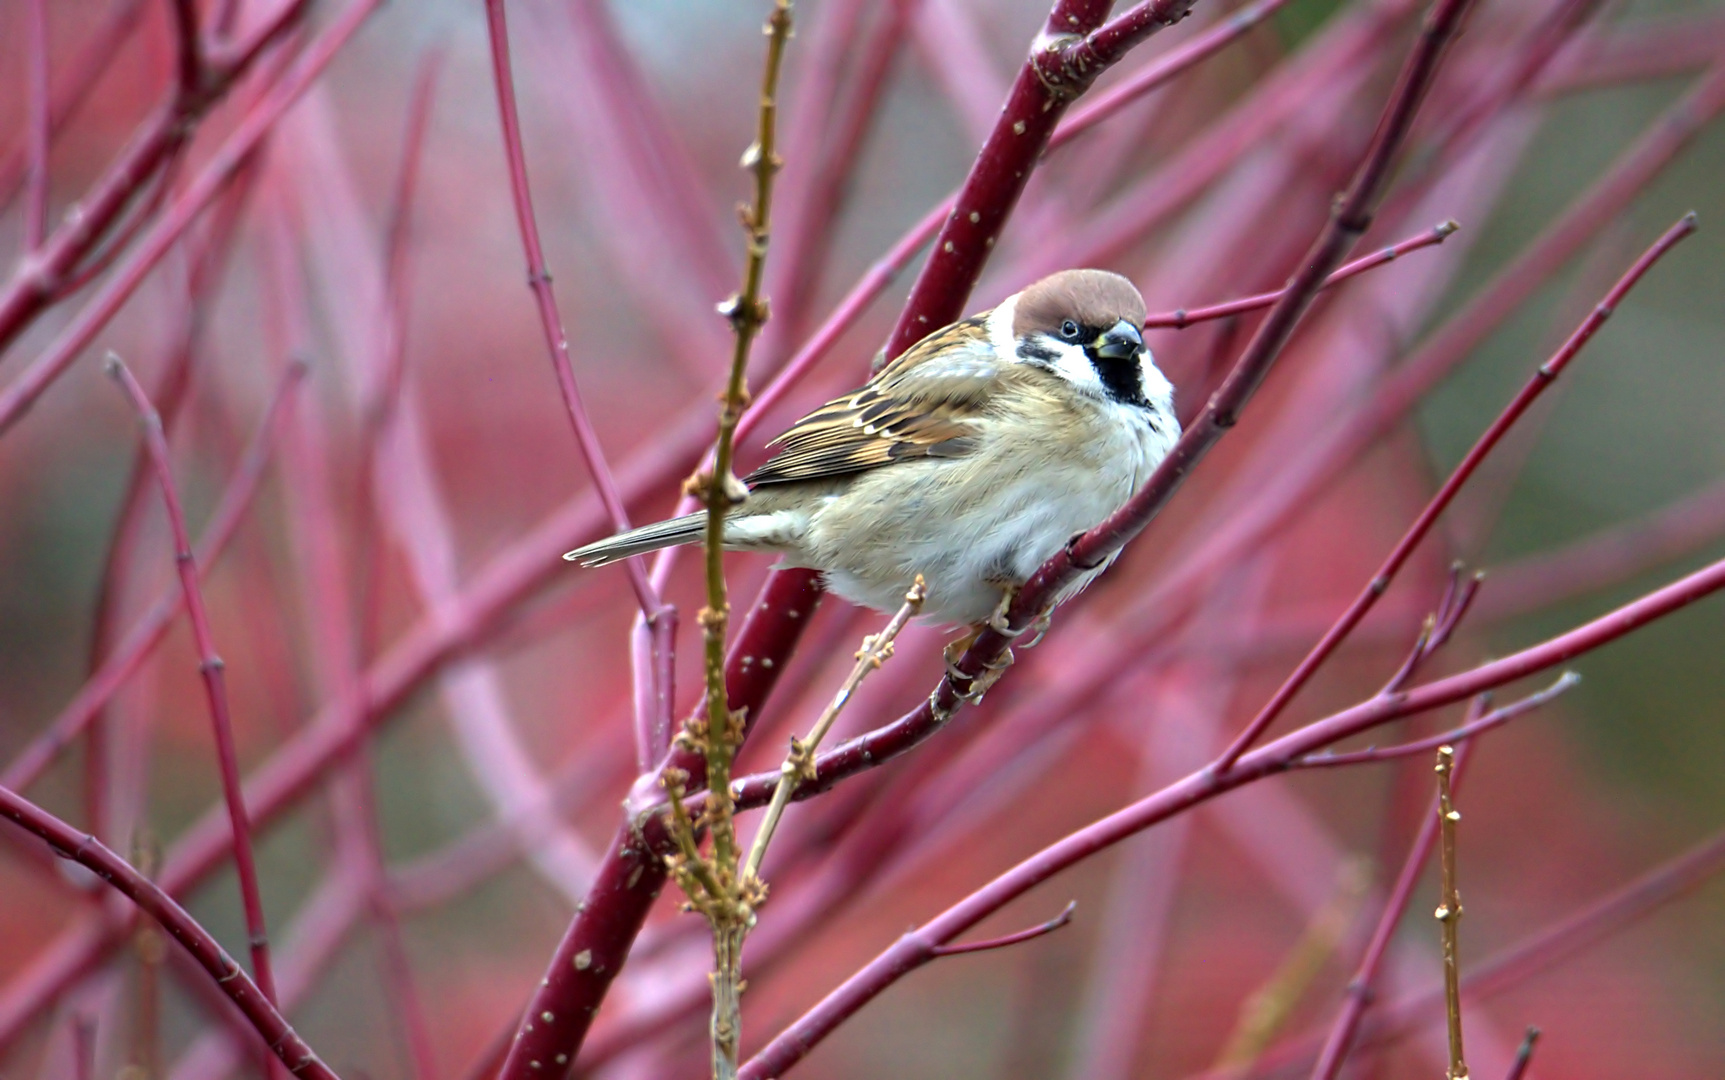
(970, 459)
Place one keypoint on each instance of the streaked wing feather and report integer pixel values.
(924, 404)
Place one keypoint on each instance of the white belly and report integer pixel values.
(974, 526)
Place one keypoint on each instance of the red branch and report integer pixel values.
(87, 851)
(142, 639)
(1536, 385)
(1030, 934)
(1464, 734)
(912, 950)
(32, 290)
(1181, 318)
(539, 280)
(43, 274)
(212, 669)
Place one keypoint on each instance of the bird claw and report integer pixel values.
(1000, 624)
(1037, 630)
(998, 621)
(969, 687)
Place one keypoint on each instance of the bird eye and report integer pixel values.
(1069, 330)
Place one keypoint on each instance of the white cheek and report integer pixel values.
(1073, 365)
(1157, 389)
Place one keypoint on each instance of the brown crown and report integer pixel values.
(1096, 298)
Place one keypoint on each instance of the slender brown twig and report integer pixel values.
(1359, 994)
(799, 763)
(1449, 910)
(720, 887)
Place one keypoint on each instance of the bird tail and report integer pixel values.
(664, 534)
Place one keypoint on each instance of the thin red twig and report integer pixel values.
(205, 270)
(1181, 318)
(30, 292)
(1465, 733)
(95, 57)
(551, 322)
(212, 669)
(1540, 381)
(1005, 940)
(142, 639)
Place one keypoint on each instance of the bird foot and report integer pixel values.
(972, 687)
(999, 623)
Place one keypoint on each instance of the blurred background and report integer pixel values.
(498, 767)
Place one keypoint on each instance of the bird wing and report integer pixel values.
(924, 404)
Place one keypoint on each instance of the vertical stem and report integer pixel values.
(152, 952)
(716, 887)
(41, 123)
(551, 321)
(1449, 912)
(212, 669)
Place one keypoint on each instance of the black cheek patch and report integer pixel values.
(1034, 351)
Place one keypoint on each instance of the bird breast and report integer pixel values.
(978, 524)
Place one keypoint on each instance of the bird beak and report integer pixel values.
(1123, 342)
